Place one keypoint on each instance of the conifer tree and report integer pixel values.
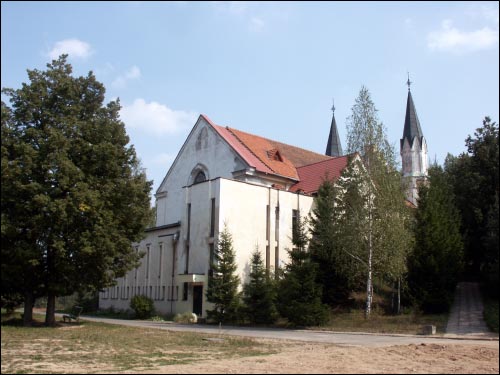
(74, 197)
(223, 285)
(259, 293)
(299, 295)
(436, 263)
(335, 270)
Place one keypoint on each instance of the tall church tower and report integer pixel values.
(333, 148)
(413, 151)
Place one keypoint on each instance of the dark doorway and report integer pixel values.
(197, 299)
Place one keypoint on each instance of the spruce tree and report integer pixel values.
(259, 293)
(436, 263)
(335, 270)
(299, 295)
(223, 284)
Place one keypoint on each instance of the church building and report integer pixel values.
(254, 186)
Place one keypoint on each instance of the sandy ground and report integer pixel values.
(320, 358)
(306, 358)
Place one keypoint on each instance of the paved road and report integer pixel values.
(344, 339)
(465, 325)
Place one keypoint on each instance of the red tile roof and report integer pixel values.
(311, 176)
(268, 156)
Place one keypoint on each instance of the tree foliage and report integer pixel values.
(73, 194)
(437, 261)
(336, 271)
(259, 294)
(374, 219)
(474, 177)
(299, 295)
(223, 284)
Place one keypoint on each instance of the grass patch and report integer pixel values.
(96, 347)
(379, 322)
(490, 313)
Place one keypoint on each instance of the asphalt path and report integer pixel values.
(337, 338)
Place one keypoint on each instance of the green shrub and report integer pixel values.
(143, 306)
(186, 317)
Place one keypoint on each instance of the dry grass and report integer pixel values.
(99, 347)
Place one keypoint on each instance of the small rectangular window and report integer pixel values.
(184, 291)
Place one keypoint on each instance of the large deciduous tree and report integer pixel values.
(374, 217)
(73, 194)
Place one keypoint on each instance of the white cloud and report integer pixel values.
(121, 81)
(449, 38)
(155, 118)
(72, 47)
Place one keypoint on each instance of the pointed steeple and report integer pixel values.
(333, 147)
(413, 151)
(412, 127)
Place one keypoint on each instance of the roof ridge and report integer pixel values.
(248, 148)
(326, 160)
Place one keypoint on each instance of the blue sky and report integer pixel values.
(268, 68)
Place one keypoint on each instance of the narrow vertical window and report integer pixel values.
(147, 263)
(160, 261)
(295, 222)
(186, 266)
(184, 291)
(211, 258)
(212, 219)
(268, 235)
(277, 223)
(136, 251)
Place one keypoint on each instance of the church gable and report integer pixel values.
(203, 151)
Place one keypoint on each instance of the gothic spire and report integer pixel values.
(412, 127)
(333, 148)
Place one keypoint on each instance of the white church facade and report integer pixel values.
(221, 177)
(256, 187)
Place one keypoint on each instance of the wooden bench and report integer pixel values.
(75, 315)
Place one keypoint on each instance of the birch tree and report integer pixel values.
(375, 220)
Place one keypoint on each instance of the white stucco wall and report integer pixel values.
(240, 205)
(203, 149)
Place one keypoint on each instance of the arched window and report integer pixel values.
(200, 177)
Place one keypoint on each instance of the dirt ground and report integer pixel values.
(320, 358)
(307, 358)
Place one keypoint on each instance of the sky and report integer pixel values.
(268, 68)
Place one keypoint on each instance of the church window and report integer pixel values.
(200, 177)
